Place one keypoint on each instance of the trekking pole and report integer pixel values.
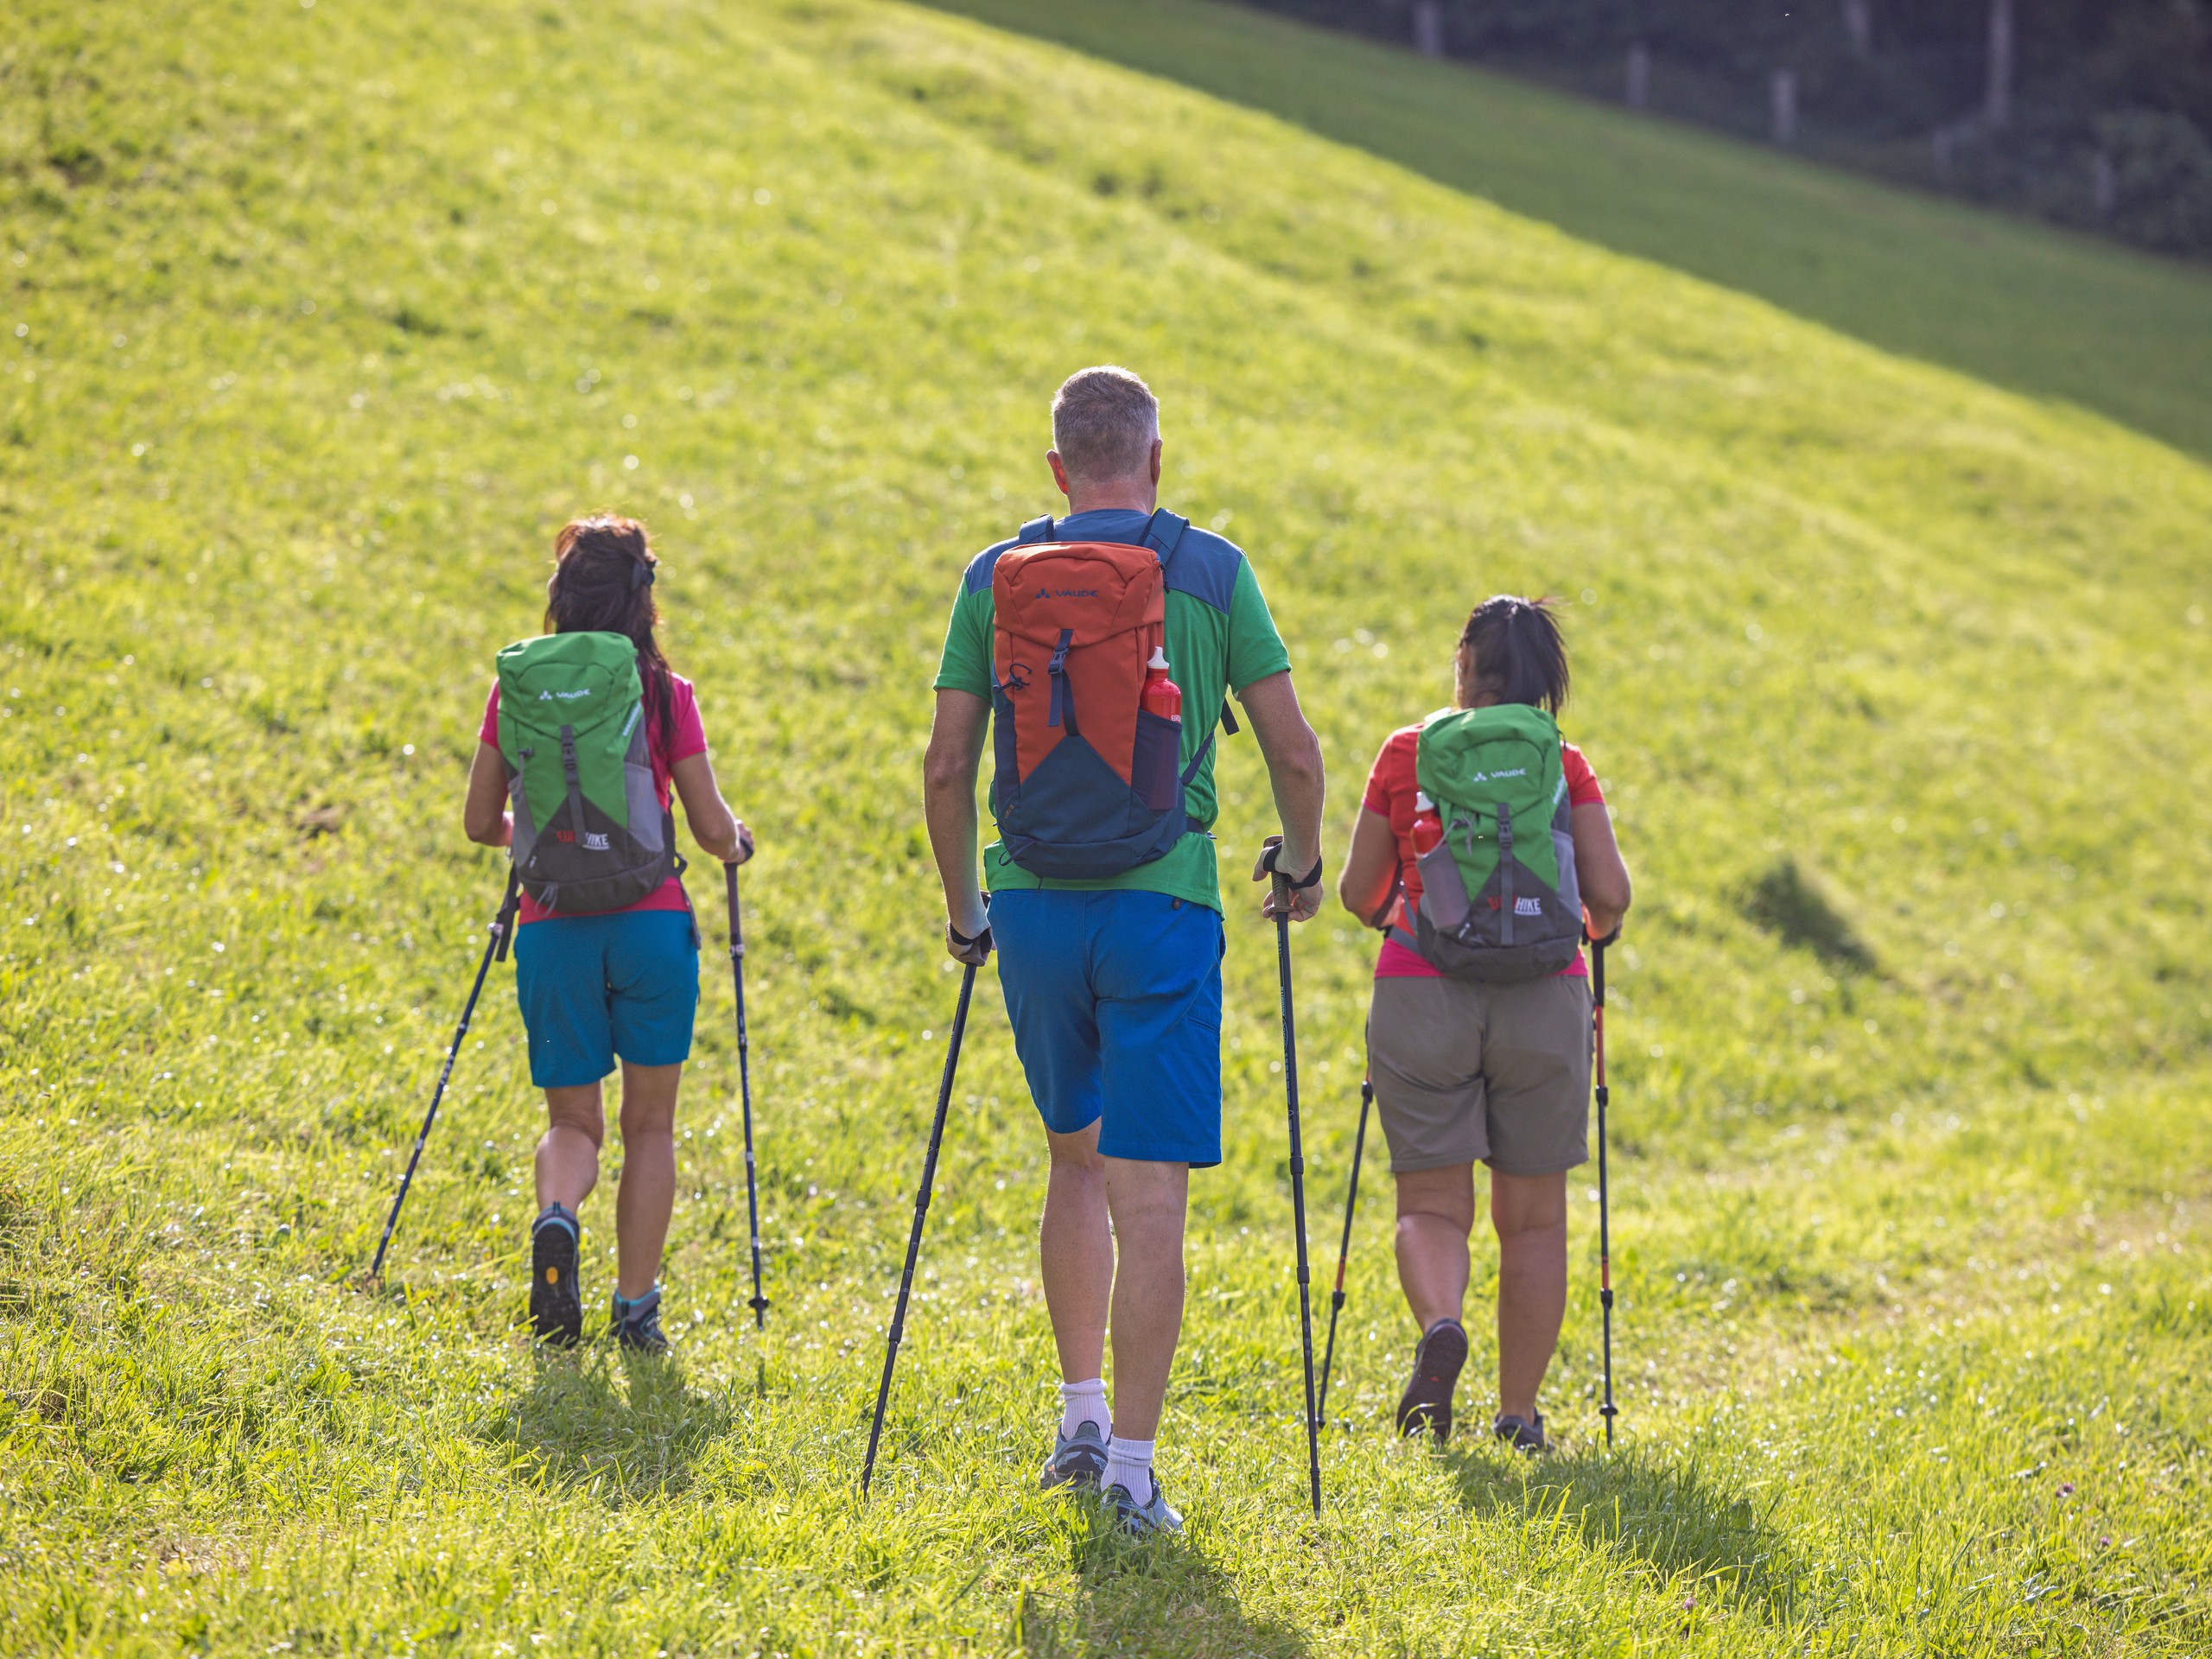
(1282, 894)
(1604, 1191)
(759, 1303)
(921, 1210)
(502, 925)
(1343, 1250)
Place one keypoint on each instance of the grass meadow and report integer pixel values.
(2008, 300)
(316, 320)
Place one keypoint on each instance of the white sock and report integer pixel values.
(1128, 1465)
(1084, 1403)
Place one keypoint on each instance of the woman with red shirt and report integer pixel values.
(609, 985)
(1468, 1072)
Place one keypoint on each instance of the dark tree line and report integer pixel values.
(2095, 112)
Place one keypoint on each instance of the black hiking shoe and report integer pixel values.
(1527, 1438)
(556, 1307)
(1427, 1402)
(637, 1325)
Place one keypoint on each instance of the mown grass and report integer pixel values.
(2046, 312)
(328, 317)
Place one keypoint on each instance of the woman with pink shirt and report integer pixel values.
(609, 985)
(1466, 1071)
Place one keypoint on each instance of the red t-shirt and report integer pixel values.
(683, 737)
(1391, 791)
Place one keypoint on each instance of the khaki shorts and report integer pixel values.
(1467, 1072)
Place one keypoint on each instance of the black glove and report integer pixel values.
(974, 952)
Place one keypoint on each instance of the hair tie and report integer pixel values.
(641, 576)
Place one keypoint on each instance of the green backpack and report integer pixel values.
(1499, 900)
(591, 832)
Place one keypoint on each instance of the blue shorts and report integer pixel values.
(594, 987)
(1114, 998)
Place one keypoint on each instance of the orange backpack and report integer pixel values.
(1086, 782)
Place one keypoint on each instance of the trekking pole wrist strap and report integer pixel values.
(975, 950)
(1312, 877)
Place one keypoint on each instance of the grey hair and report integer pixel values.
(1104, 419)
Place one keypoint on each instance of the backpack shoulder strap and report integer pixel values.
(1163, 534)
(1037, 530)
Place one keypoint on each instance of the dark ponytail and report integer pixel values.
(602, 582)
(1518, 653)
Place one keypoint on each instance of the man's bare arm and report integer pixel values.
(956, 751)
(1294, 758)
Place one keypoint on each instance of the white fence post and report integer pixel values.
(1858, 24)
(1998, 105)
(1784, 89)
(1639, 76)
(1428, 28)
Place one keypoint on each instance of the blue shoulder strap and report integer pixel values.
(1163, 534)
(1037, 530)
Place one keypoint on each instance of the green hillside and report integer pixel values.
(2046, 312)
(319, 319)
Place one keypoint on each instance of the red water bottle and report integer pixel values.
(1428, 827)
(1161, 696)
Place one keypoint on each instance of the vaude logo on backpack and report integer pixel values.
(1085, 782)
(591, 832)
(1499, 901)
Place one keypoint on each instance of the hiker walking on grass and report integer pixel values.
(585, 731)
(1483, 849)
(1105, 644)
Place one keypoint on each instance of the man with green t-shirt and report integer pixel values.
(1113, 987)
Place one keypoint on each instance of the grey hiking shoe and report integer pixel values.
(637, 1324)
(557, 1308)
(1427, 1402)
(1524, 1436)
(1078, 1459)
(1143, 1520)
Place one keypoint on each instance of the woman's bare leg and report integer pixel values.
(1436, 1212)
(647, 1196)
(1529, 1212)
(568, 1152)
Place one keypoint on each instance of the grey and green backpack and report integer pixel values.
(1499, 901)
(591, 831)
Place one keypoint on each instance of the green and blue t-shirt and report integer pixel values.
(1220, 639)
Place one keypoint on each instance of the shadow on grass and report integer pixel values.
(621, 1427)
(1666, 1515)
(1161, 1596)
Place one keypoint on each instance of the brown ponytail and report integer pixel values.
(1516, 651)
(602, 582)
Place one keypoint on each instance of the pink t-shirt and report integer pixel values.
(683, 737)
(1391, 791)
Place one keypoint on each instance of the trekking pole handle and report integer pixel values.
(1270, 856)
